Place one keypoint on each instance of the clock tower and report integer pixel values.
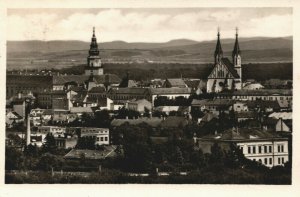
(94, 66)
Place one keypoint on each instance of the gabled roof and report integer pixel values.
(161, 91)
(174, 122)
(230, 67)
(97, 89)
(81, 110)
(283, 115)
(139, 91)
(176, 83)
(243, 134)
(108, 151)
(153, 122)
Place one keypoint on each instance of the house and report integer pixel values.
(79, 111)
(66, 142)
(257, 145)
(60, 115)
(56, 131)
(101, 135)
(167, 109)
(170, 93)
(12, 118)
(174, 83)
(260, 94)
(126, 94)
(240, 106)
(245, 115)
(212, 105)
(139, 105)
(106, 152)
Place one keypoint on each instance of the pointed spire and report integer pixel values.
(236, 49)
(218, 51)
(94, 51)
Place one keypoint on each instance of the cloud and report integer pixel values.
(147, 26)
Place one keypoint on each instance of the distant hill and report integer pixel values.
(256, 43)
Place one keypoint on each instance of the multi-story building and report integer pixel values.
(101, 135)
(258, 145)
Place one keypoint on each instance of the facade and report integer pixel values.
(101, 135)
(174, 83)
(94, 61)
(225, 75)
(257, 145)
(170, 93)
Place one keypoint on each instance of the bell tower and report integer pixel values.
(94, 66)
(236, 56)
(218, 51)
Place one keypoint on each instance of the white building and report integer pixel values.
(257, 145)
(101, 135)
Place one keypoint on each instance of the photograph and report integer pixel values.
(141, 95)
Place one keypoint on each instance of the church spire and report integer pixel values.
(236, 50)
(93, 46)
(218, 51)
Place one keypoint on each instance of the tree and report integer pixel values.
(50, 144)
(14, 159)
(86, 143)
(48, 161)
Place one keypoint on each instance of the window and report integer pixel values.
(249, 149)
(97, 139)
(282, 160)
(106, 138)
(282, 148)
(266, 149)
(254, 149)
(242, 149)
(259, 161)
(259, 149)
(278, 160)
(278, 148)
(101, 139)
(270, 149)
(266, 160)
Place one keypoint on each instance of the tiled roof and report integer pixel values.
(260, 92)
(242, 134)
(154, 121)
(161, 91)
(214, 102)
(230, 67)
(97, 89)
(283, 115)
(246, 114)
(139, 91)
(174, 122)
(81, 110)
(176, 82)
(109, 151)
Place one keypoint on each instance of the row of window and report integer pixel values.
(101, 139)
(265, 161)
(261, 149)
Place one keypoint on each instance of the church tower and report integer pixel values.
(94, 61)
(218, 51)
(236, 56)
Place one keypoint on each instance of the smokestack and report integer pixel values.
(19, 95)
(28, 131)
(150, 113)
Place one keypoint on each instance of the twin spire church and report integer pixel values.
(226, 75)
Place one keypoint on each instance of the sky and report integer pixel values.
(147, 24)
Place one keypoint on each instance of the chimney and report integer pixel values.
(19, 95)
(216, 132)
(28, 131)
(150, 114)
(126, 117)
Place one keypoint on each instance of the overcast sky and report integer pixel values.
(147, 25)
